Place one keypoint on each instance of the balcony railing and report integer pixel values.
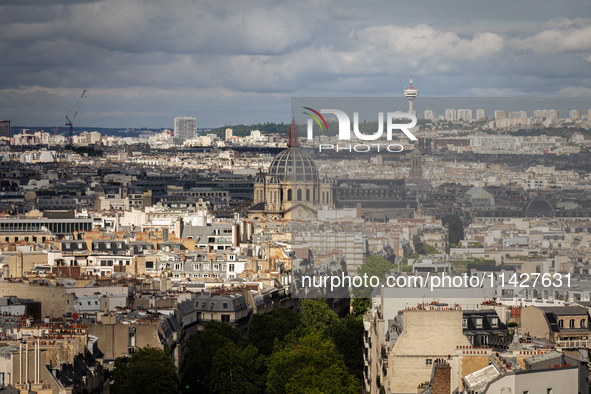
(572, 343)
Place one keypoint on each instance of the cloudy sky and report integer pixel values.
(143, 62)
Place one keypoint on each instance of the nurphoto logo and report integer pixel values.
(345, 129)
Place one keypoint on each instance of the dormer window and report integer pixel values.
(494, 322)
(479, 322)
(464, 323)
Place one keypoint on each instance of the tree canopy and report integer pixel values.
(311, 364)
(236, 369)
(374, 266)
(265, 328)
(285, 352)
(316, 316)
(428, 249)
(456, 228)
(147, 371)
(202, 347)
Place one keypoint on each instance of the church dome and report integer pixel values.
(538, 207)
(294, 165)
(273, 180)
(326, 181)
(259, 179)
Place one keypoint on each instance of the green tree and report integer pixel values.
(202, 347)
(374, 266)
(428, 249)
(360, 306)
(265, 328)
(316, 316)
(456, 228)
(310, 365)
(347, 335)
(147, 371)
(237, 370)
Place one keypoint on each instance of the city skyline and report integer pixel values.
(228, 69)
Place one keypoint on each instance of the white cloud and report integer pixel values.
(574, 91)
(563, 35)
(156, 56)
(424, 42)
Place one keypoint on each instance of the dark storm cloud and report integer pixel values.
(146, 61)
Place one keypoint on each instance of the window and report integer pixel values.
(561, 323)
(572, 323)
(494, 323)
(484, 340)
(226, 318)
(583, 323)
(464, 323)
(225, 305)
(231, 267)
(577, 297)
(429, 361)
(479, 322)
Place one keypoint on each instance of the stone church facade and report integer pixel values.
(292, 188)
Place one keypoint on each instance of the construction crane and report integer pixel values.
(71, 122)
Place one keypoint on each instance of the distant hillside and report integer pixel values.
(116, 132)
(283, 128)
(244, 130)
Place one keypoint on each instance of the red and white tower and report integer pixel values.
(411, 93)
